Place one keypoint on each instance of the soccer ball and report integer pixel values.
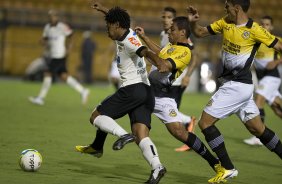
(30, 160)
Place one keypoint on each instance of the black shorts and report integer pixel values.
(176, 92)
(136, 100)
(57, 66)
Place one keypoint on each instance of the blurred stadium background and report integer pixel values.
(22, 21)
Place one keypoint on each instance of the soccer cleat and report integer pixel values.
(156, 175)
(253, 141)
(36, 100)
(222, 174)
(89, 150)
(122, 141)
(190, 128)
(84, 96)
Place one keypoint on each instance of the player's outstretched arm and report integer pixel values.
(186, 79)
(152, 45)
(154, 59)
(99, 7)
(273, 64)
(194, 17)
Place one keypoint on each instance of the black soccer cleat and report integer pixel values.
(156, 175)
(122, 141)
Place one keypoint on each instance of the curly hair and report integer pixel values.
(118, 15)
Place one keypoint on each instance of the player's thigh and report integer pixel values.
(255, 126)
(228, 99)
(123, 101)
(269, 88)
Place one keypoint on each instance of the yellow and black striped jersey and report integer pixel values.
(240, 44)
(263, 57)
(179, 56)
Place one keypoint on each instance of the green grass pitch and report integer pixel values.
(54, 130)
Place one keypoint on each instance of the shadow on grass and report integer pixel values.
(132, 173)
(128, 172)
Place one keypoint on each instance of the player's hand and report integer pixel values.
(193, 15)
(96, 5)
(185, 81)
(140, 31)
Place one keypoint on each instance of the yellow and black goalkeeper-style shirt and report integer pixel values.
(179, 56)
(240, 44)
(263, 57)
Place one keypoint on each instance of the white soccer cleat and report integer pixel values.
(36, 100)
(253, 141)
(84, 96)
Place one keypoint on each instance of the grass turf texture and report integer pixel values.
(55, 128)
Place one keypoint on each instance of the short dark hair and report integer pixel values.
(118, 15)
(183, 23)
(268, 18)
(245, 4)
(170, 9)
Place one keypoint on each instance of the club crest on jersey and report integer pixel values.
(170, 50)
(246, 35)
(172, 113)
(210, 102)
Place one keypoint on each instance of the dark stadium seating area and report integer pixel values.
(27, 17)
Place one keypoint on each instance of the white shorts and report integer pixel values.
(268, 87)
(166, 110)
(114, 73)
(233, 98)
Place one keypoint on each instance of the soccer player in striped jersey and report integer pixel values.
(241, 39)
(169, 63)
(266, 62)
(179, 85)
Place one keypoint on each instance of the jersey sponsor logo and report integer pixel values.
(246, 35)
(118, 60)
(140, 64)
(231, 47)
(182, 55)
(172, 113)
(134, 41)
(141, 71)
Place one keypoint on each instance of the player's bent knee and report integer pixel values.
(93, 116)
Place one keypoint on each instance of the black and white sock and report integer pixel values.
(198, 146)
(271, 141)
(216, 142)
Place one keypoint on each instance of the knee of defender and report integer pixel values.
(92, 118)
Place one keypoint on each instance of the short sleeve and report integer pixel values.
(216, 27)
(180, 58)
(45, 30)
(133, 44)
(261, 35)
